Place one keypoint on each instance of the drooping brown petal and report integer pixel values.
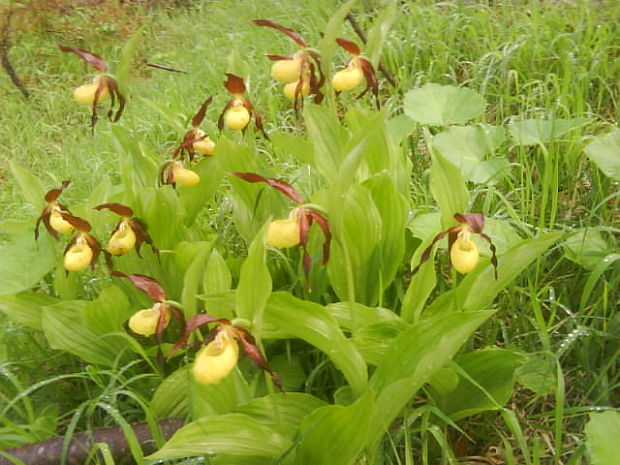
(95, 247)
(202, 111)
(234, 84)
(163, 173)
(94, 117)
(372, 83)
(324, 225)
(53, 194)
(142, 235)
(194, 322)
(282, 186)
(289, 32)
(94, 60)
(45, 218)
(318, 83)
(278, 57)
(115, 92)
(144, 283)
(475, 221)
(258, 119)
(163, 317)
(220, 119)
(118, 208)
(256, 357)
(427, 252)
(493, 252)
(304, 230)
(78, 223)
(349, 46)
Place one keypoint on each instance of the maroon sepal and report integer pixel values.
(78, 223)
(372, 83)
(195, 322)
(349, 46)
(289, 32)
(144, 283)
(278, 57)
(118, 208)
(234, 84)
(324, 225)
(94, 60)
(475, 221)
(282, 186)
(53, 194)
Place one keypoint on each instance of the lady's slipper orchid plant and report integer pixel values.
(356, 71)
(219, 357)
(83, 249)
(464, 253)
(294, 230)
(196, 140)
(152, 320)
(129, 233)
(301, 73)
(102, 87)
(51, 216)
(238, 111)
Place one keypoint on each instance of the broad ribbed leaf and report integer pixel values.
(335, 435)
(378, 33)
(108, 312)
(283, 412)
(24, 262)
(232, 434)
(223, 397)
(542, 131)
(493, 371)
(414, 357)
(64, 330)
(217, 276)
(30, 185)
(443, 105)
(254, 283)
(312, 323)
(603, 431)
(194, 199)
(448, 188)
(353, 316)
(327, 137)
(25, 308)
(586, 247)
(605, 152)
(193, 277)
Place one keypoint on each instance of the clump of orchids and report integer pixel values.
(103, 86)
(129, 233)
(194, 141)
(301, 73)
(238, 111)
(155, 319)
(293, 230)
(464, 254)
(51, 215)
(218, 358)
(358, 68)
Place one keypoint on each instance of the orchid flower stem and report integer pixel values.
(174, 303)
(242, 322)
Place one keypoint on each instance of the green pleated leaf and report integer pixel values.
(312, 323)
(372, 341)
(30, 185)
(162, 212)
(294, 144)
(108, 312)
(602, 432)
(539, 373)
(26, 308)
(125, 63)
(217, 276)
(605, 152)
(413, 358)
(64, 330)
(25, 262)
(327, 137)
(195, 198)
(254, 283)
(335, 435)
(542, 131)
(493, 375)
(586, 247)
(353, 316)
(143, 168)
(378, 33)
(194, 274)
(443, 105)
(448, 188)
(223, 397)
(283, 412)
(232, 434)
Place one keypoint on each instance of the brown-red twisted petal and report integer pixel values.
(142, 235)
(493, 252)
(289, 32)
(95, 247)
(194, 322)
(324, 225)
(278, 57)
(94, 60)
(202, 111)
(278, 184)
(372, 83)
(53, 194)
(255, 355)
(475, 221)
